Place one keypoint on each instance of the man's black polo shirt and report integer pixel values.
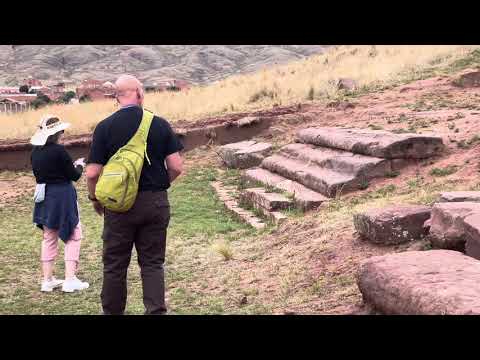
(116, 130)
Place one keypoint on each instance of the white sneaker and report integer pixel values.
(48, 286)
(73, 285)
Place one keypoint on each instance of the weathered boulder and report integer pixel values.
(447, 226)
(460, 196)
(378, 143)
(472, 232)
(244, 154)
(468, 78)
(347, 84)
(392, 225)
(435, 282)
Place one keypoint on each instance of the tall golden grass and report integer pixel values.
(282, 85)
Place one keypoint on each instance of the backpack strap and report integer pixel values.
(144, 128)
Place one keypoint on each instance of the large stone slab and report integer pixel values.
(378, 143)
(460, 196)
(340, 161)
(447, 225)
(435, 282)
(324, 181)
(303, 197)
(393, 224)
(270, 201)
(244, 154)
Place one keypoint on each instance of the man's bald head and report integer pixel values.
(129, 90)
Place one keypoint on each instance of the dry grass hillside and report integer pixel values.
(310, 79)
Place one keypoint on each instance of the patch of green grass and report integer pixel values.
(449, 170)
(415, 182)
(472, 59)
(196, 219)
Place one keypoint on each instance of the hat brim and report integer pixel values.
(41, 136)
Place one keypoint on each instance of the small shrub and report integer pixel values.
(401, 131)
(392, 174)
(415, 183)
(311, 94)
(260, 95)
(375, 127)
(364, 184)
(224, 249)
(386, 190)
(444, 171)
(84, 98)
(24, 89)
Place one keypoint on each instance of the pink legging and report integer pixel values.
(50, 244)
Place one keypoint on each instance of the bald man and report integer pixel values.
(145, 224)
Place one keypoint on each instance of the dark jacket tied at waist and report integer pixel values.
(59, 210)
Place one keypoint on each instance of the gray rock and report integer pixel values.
(244, 154)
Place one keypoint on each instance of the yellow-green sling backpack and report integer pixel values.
(117, 186)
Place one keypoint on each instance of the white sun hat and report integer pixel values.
(44, 130)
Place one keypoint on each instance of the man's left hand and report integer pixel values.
(98, 207)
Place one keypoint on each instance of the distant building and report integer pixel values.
(8, 105)
(95, 90)
(167, 84)
(30, 81)
(28, 98)
(9, 90)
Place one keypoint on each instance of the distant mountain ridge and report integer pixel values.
(194, 63)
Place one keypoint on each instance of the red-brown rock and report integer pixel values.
(393, 225)
(468, 78)
(435, 282)
(378, 143)
(447, 225)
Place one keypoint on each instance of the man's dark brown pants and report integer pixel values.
(144, 225)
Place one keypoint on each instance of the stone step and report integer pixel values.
(244, 154)
(434, 282)
(324, 181)
(231, 204)
(303, 197)
(340, 161)
(270, 201)
(378, 143)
